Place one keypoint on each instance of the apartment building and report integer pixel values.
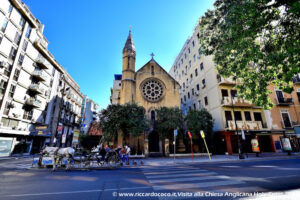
(30, 82)
(285, 115)
(90, 114)
(203, 87)
(115, 90)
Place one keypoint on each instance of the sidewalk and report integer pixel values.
(216, 159)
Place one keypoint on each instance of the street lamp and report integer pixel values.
(241, 155)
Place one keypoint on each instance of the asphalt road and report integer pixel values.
(184, 181)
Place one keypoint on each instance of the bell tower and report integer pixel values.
(128, 71)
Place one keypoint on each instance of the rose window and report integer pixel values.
(152, 90)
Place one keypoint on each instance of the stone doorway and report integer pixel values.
(153, 141)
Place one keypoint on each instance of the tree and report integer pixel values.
(258, 42)
(167, 120)
(129, 118)
(197, 120)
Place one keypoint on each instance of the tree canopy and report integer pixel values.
(168, 119)
(129, 118)
(197, 120)
(258, 42)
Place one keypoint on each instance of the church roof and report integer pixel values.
(154, 61)
(129, 45)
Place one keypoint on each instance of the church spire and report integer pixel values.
(129, 45)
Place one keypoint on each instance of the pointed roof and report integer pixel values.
(129, 45)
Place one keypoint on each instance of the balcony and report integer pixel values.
(39, 75)
(33, 102)
(237, 102)
(245, 125)
(42, 62)
(36, 88)
(225, 81)
(285, 101)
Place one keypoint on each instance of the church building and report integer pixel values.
(151, 87)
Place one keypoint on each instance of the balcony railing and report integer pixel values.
(36, 88)
(245, 125)
(33, 102)
(285, 101)
(225, 81)
(42, 62)
(237, 102)
(39, 75)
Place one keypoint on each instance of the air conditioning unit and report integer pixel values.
(197, 93)
(4, 64)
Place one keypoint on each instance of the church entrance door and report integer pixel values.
(153, 141)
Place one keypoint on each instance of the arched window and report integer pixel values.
(152, 70)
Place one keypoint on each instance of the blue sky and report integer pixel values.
(87, 37)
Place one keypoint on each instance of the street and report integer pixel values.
(181, 181)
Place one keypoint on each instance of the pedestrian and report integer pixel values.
(107, 149)
(127, 154)
(102, 152)
(123, 152)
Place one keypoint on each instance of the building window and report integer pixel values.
(22, 22)
(184, 98)
(7, 70)
(21, 59)
(237, 115)
(193, 43)
(233, 93)
(16, 75)
(203, 83)
(189, 95)
(6, 108)
(3, 85)
(190, 63)
(191, 76)
(228, 117)
(193, 92)
(206, 101)
(285, 119)
(27, 34)
(25, 44)
(28, 114)
(4, 25)
(1, 37)
(181, 100)
(201, 66)
(13, 53)
(224, 93)
(183, 84)
(17, 38)
(194, 58)
(247, 116)
(182, 72)
(185, 56)
(200, 104)
(189, 50)
(196, 72)
(190, 108)
(198, 87)
(181, 60)
(12, 91)
(194, 106)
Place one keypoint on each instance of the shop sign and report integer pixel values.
(255, 145)
(5, 146)
(75, 136)
(286, 144)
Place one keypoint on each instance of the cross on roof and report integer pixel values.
(152, 55)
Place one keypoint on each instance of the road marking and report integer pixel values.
(79, 191)
(195, 185)
(177, 175)
(173, 172)
(171, 180)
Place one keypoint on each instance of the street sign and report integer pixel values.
(202, 134)
(175, 133)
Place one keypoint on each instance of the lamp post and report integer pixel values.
(241, 155)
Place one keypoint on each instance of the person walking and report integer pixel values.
(127, 154)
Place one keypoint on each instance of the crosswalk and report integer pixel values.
(193, 179)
